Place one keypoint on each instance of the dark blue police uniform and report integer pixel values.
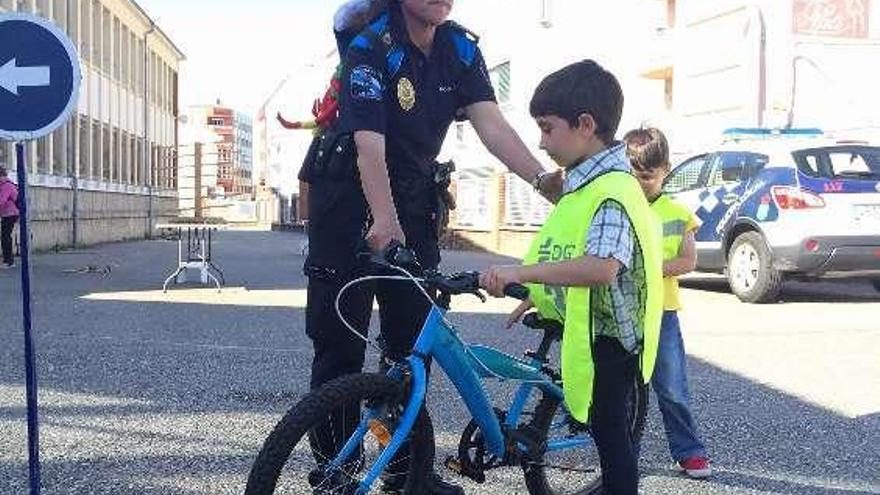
(388, 86)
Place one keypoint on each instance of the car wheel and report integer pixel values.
(750, 270)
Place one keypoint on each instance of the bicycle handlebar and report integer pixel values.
(468, 282)
(516, 291)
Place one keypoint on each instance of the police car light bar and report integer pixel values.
(757, 132)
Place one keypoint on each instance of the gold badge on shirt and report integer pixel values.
(406, 94)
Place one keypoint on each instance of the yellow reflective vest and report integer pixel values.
(563, 237)
(676, 220)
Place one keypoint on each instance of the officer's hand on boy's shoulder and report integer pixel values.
(497, 277)
(551, 185)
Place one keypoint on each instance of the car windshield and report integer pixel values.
(840, 162)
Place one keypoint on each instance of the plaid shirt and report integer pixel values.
(618, 309)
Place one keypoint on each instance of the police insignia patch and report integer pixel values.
(406, 94)
(366, 83)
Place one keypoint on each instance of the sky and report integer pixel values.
(239, 51)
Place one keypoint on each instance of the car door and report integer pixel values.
(687, 181)
(724, 193)
(688, 184)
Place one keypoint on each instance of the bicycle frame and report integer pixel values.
(465, 366)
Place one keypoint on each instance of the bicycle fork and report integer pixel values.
(410, 413)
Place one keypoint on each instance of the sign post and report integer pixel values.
(39, 84)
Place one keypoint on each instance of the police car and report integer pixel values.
(780, 204)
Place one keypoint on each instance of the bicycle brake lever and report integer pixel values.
(479, 294)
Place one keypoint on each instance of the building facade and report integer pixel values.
(767, 63)
(110, 172)
(234, 142)
(691, 67)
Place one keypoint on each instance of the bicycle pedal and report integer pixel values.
(464, 469)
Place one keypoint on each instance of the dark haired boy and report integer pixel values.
(595, 265)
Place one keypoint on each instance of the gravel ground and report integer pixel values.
(144, 393)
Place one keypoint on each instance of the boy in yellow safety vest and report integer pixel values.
(648, 152)
(595, 265)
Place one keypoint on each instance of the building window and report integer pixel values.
(132, 164)
(95, 171)
(133, 61)
(5, 155)
(59, 13)
(138, 64)
(122, 146)
(139, 162)
(83, 147)
(42, 8)
(152, 78)
(117, 50)
(96, 33)
(85, 41)
(154, 164)
(118, 164)
(106, 171)
(500, 77)
(59, 150)
(72, 20)
(161, 173)
(107, 44)
(123, 60)
(42, 155)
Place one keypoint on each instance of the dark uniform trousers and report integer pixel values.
(337, 224)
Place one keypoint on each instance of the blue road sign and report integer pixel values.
(39, 77)
(39, 84)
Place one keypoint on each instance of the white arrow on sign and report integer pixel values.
(13, 77)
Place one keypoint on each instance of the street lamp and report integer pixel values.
(147, 130)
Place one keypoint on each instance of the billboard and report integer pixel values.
(832, 18)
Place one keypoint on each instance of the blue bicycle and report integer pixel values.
(369, 433)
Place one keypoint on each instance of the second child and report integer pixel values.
(648, 152)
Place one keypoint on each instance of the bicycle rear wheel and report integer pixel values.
(295, 456)
(573, 470)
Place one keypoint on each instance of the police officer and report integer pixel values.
(405, 78)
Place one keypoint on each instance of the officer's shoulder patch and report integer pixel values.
(465, 43)
(464, 31)
(375, 31)
(366, 83)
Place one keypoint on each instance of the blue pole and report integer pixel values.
(30, 366)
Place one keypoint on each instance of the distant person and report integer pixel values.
(648, 152)
(8, 216)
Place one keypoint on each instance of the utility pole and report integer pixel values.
(73, 151)
(197, 181)
(148, 175)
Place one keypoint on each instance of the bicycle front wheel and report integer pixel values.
(295, 456)
(570, 463)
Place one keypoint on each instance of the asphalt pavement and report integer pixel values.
(149, 393)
